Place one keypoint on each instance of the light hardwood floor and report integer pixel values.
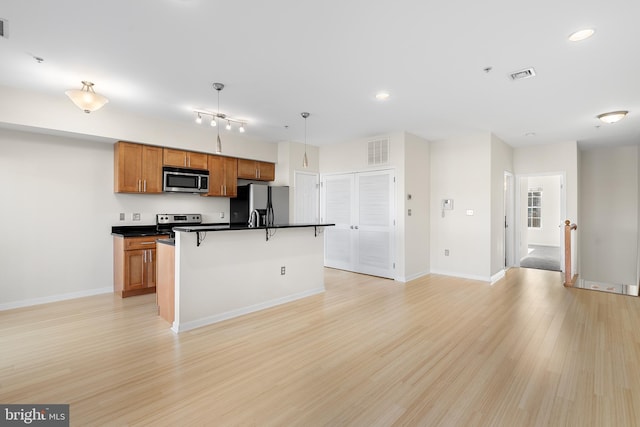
(435, 351)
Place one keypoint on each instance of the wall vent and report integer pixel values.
(378, 152)
(523, 74)
(4, 28)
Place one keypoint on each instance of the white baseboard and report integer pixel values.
(54, 298)
(462, 275)
(499, 275)
(412, 277)
(209, 320)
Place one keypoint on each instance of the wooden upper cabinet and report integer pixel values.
(184, 159)
(223, 176)
(137, 168)
(253, 169)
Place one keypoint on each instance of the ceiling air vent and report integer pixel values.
(378, 152)
(3, 28)
(523, 74)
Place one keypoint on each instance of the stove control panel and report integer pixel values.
(178, 218)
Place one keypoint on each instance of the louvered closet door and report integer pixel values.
(374, 226)
(362, 207)
(338, 200)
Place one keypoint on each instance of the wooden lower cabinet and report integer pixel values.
(134, 265)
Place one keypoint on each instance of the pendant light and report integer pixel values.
(86, 98)
(305, 159)
(218, 87)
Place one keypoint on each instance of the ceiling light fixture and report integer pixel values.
(580, 35)
(218, 115)
(305, 159)
(86, 98)
(613, 116)
(381, 96)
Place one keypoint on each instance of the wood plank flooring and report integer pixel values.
(437, 351)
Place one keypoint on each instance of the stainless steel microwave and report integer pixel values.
(179, 180)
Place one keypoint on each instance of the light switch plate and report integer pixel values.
(135, 217)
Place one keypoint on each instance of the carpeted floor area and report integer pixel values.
(542, 258)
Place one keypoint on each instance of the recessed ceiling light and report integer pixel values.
(382, 96)
(581, 35)
(613, 116)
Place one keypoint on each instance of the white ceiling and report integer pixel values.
(281, 57)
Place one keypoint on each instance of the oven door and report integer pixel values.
(184, 180)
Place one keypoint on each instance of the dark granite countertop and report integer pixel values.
(147, 230)
(232, 227)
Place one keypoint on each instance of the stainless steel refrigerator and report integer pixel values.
(262, 205)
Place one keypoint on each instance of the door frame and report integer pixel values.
(519, 206)
(509, 232)
(316, 175)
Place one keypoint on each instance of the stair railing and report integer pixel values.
(569, 281)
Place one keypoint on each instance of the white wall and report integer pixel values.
(58, 207)
(460, 170)
(549, 233)
(501, 162)
(58, 115)
(417, 226)
(609, 215)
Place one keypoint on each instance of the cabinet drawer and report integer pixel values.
(145, 242)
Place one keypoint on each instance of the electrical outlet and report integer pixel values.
(221, 215)
(446, 252)
(135, 217)
(121, 216)
(283, 270)
(409, 212)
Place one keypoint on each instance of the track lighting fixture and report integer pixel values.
(219, 116)
(86, 98)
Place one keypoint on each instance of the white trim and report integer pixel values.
(412, 277)
(462, 275)
(499, 275)
(209, 320)
(55, 298)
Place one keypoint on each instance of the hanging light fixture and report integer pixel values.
(305, 159)
(86, 98)
(218, 87)
(199, 118)
(228, 127)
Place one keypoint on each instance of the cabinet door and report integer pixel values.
(151, 169)
(150, 279)
(247, 169)
(231, 177)
(135, 269)
(197, 160)
(176, 158)
(127, 167)
(267, 171)
(216, 176)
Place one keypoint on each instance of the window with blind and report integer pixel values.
(534, 209)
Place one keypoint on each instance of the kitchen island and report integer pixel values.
(221, 272)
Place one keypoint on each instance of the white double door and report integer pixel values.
(362, 206)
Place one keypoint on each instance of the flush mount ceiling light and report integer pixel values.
(219, 116)
(305, 159)
(86, 98)
(582, 35)
(381, 96)
(613, 116)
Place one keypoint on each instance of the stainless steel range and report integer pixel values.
(166, 222)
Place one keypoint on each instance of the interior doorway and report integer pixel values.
(541, 210)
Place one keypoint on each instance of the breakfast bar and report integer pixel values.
(220, 272)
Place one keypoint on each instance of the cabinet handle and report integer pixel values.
(144, 257)
(189, 160)
(147, 243)
(139, 183)
(145, 186)
(356, 227)
(150, 256)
